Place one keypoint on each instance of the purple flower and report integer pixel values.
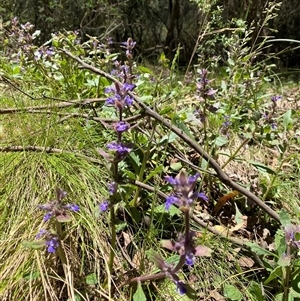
(112, 187)
(120, 148)
(47, 216)
(170, 200)
(189, 258)
(56, 207)
(202, 196)
(275, 98)
(128, 87)
(41, 233)
(104, 206)
(184, 190)
(52, 244)
(51, 240)
(292, 235)
(72, 207)
(121, 126)
(181, 287)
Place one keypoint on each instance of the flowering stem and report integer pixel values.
(113, 239)
(181, 262)
(60, 250)
(286, 283)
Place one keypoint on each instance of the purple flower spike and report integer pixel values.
(121, 126)
(181, 288)
(72, 207)
(41, 233)
(170, 201)
(184, 190)
(275, 98)
(104, 206)
(47, 216)
(112, 187)
(121, 148)
(189, 259)
(202, 196)
(52, 244)
(128, 87)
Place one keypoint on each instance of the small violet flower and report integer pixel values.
(57, 209)
(184, 190)
(104, 206)
(121, 126)
(112, 188)
(51, 240)
(275, 98)
(292, 235)
(120, 148)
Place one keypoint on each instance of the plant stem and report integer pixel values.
(113, 239)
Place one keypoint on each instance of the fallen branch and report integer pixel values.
(224, 178)
(70, 103)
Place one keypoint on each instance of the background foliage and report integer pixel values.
(157, 25)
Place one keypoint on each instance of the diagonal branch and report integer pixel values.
(220, 173)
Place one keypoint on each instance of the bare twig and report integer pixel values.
(20, 148)
(70, 103)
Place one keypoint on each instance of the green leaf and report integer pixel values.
(255, 290)
(77, 298)
(259, 250)
(91, 279)
(261, 167)
(232, 293)
(280, 244)
(285, 218)
(221, 140)
(176, 166)
(139, 294)
(177, 122)
(276, 273)
(279, 297)
(37, 244)
(287, 118)
(284, 260)
(32, 275)
(145, 70)
(154, 172)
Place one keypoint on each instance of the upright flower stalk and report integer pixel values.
(121, 100)
(184, 196)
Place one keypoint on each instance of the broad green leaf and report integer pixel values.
(280, 244)
(279, 297)
(76, 298)
(221, 140)
(287, 119)
(154, 172)
(145, 70)
(178, 123)
(261, 167)
(232, 293)
(139, 294)
(31, 275)
(91, 279)
(37, 244)
(176, 166)
(284, 260)
(259, 250)
(276, 273)
(285, 218)
(256, 290)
